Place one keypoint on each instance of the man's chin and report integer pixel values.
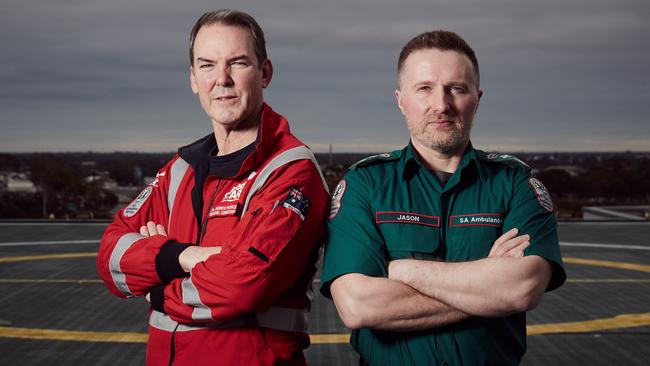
(230, 122)
(446, 147)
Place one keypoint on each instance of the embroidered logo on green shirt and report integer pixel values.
(480, 219)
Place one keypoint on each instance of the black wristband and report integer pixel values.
(157, 298)
(167, 265)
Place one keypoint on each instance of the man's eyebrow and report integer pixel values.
(234, 58)
(239, 57)
(203, 59)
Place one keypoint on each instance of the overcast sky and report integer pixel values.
(558, 75)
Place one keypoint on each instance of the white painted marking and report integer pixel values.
(603, 223)
(609, 213)
(28, 243)
(608, 246)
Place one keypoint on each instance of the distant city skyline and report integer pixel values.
(113, 76)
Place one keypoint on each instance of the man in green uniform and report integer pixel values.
(436, 251)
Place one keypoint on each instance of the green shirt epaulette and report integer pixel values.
(500, 158)
(379, 158)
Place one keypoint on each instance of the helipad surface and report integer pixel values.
(55, 310)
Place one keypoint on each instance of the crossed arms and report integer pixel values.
(422, 294)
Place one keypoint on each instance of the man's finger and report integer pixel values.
(151, 226)
(513, 243)
(161, 230)
(507, 236)
(497, 248)
(518, 251)
(147, 297)
(144, 231)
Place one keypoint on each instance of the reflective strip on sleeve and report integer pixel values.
(292, 320)
(177, 172)
(191, 298)
(297, 153)
(162, 321)
(286, 319)
(123, 244)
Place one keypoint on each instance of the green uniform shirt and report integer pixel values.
(390, 206)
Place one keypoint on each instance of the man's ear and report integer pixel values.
(195, 88)
(267, 73)
(399, 100)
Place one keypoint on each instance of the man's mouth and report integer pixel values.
(225, 97)
(441, 122)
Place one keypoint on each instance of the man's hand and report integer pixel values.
(507, 245)
(152, 229)
(188, 257)
(510, 245)
(195, 254)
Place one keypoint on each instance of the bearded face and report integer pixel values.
(438, 97)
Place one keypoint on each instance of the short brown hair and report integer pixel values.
(442, 40)
(233, 18)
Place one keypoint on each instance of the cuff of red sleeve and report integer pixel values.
(167, 265)
(157, 298)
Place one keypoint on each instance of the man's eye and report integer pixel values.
(457, 90)
(424, 88)
(206, 66)
(240, 63)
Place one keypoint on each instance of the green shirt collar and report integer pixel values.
(411, 161)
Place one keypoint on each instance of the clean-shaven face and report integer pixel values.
(438, 95)
(226, 75)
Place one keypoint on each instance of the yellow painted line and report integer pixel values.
(68, 335)
(46, 256)
(617, 322)
(611, 264)
(47, 280)
(333, 338)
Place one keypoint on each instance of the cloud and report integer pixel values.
(104, 75)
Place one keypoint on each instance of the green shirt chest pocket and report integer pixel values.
(471, 236)
(409, 234)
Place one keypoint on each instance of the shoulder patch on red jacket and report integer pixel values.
(297, 202)
(134, 206)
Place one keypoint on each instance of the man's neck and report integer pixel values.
(230, 140)
(435, 160)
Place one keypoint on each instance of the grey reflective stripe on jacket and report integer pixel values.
(123, 244)
(176, 174)
(296, 153)
(276, 317)
(191, 298)
(279, 318)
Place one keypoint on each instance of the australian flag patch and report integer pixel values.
(297, 202)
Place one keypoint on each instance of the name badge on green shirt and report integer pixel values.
(383, 217)
(479, 219)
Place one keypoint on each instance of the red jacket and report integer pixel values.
(248, 304)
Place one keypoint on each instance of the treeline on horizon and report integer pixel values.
(65, 190)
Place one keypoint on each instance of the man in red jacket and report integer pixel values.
(223, 243)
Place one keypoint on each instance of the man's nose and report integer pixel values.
(440, 100)
(223, 77)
